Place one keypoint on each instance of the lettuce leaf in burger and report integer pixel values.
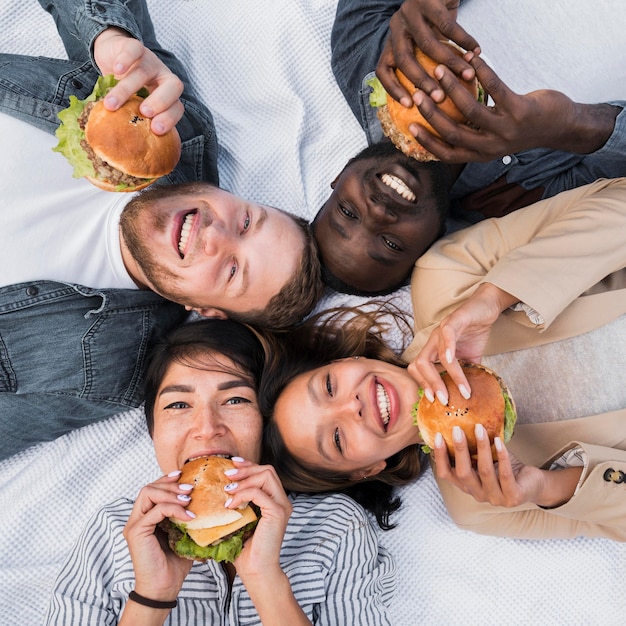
(216, 533)
(114, 150)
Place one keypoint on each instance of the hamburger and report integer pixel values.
(216, 532)
(396, 118)
(491, 405)
(114, 150)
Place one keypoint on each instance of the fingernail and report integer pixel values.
(231, 487)
(147, 111)
(418, 97)
(118, 68)
(448, 356)
(429, 395)
(157, 127)
(231, 472)
(174, 473)
(112, 101)
(438, 440)
(442, 397)
(190, 513)
(183, 497)
(480, 432)
(237, 459)
(227, 503)
(406, 102)
(498, 443)
(457, 435)
(185, 487)
(464, 392)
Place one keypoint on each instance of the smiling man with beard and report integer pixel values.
(518, 150)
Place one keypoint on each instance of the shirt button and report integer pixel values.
(32, 291)
(506, 159)
(612, 475)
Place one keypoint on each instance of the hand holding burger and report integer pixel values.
(115, 150)
(216, 532)
(396, 119)
(490, 405)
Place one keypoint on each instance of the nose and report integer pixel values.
(379, 213)
(215, 238)
(352, 407)
(207, 424)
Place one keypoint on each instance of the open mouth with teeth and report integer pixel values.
(384, 405)
(185, 229)
(399, 186)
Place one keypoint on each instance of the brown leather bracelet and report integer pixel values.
(153, 604)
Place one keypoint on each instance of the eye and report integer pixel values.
(391, 245)
(237, 400)
(246, 223)
(232, 271)
(177, 405)
(337, 441)
(329, 386)
(347, 213)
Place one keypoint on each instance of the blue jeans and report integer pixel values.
(71, 355)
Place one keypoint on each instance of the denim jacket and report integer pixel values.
(358, 37)
(71, 355)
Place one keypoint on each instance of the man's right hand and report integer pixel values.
(423, 23)
(135, 66)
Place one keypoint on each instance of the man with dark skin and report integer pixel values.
(382, 213)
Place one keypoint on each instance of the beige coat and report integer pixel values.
(546, 255)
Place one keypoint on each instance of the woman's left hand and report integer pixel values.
(507, 482)
(261, 553)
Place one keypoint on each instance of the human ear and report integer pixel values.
(370, 471)
(208, 312)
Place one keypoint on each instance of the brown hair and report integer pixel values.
(338, 333)
(200, 344)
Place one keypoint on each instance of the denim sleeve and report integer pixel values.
(357, 39)
(79, 22)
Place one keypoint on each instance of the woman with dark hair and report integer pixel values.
(311, 559)
(339, 404)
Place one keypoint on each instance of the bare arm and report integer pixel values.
(543, 118)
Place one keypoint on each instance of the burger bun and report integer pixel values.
(125, 141)
(396, 118)
(490, 405)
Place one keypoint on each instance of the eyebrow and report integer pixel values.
(225, 386)
(338, 228)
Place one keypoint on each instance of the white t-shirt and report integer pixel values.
(53, 226)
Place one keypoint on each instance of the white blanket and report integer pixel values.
(285, 132)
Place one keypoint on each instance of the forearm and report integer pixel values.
(146, 616)
(274, 600)
(588, 127)
(558, 487)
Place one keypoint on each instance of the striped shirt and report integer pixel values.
(330, 553)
